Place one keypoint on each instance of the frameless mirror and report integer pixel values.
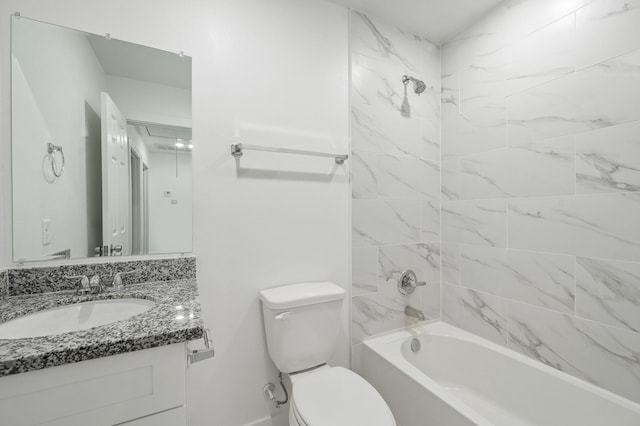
(101, 143)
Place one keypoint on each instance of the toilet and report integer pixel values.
(302, 322)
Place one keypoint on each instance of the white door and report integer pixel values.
(115, 177)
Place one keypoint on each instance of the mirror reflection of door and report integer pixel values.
(145, 208)
(119, 117)
(137, 203)
(115, 178)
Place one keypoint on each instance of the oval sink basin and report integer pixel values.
(76, 317)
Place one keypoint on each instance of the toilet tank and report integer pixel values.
(302, 322)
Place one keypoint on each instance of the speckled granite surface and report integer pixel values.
(52, 278)
(4, 284)
(176, 318)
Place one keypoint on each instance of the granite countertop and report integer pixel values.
(175, 318)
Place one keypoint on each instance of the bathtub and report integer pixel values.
(457, 378)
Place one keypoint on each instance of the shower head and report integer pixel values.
(418, 85)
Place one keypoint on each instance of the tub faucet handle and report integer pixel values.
(408, 282)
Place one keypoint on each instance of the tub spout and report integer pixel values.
(410, 311)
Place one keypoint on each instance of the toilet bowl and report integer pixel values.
(302, 324)
(336, 396)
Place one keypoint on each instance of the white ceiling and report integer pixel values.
(162, 138)
(131, 60)
(436, 20)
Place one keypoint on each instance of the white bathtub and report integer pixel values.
(457, 378)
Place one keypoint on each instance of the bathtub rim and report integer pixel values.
(389, 348)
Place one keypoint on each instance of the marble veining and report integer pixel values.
(431, 296)
(451, 179)
(376, 130)
(563, 106)
(608, 160)
(450, 263)
(408, 178)
(396, 147)
(379, 83)
(450, 90)
(364, 270)
(480, 222)
(474, 131)
(32, 280)
(519, 65)
(523, 17)
(483, 38)
(540, 279)
(430, 221)
(606, 29)
(541, 110)
(476, 312)
(372, 86)
(585, 223)
(606, 356)
(364, 175)
(380, 222)
(379, 312)
(430, 137)
(544, 168)
(609, 292)
(175, 318)
(385, 43)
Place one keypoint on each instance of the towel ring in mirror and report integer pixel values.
(52, 150)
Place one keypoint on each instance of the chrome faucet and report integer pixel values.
(87, 285)
(408, 282)
(117, 283)
(410, 311)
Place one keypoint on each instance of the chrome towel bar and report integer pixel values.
(237, 148)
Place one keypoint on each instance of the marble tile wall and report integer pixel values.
(395, 139)
(540, 237)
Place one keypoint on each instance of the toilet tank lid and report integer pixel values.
(295, 295)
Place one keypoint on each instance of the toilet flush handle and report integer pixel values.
(283, 315)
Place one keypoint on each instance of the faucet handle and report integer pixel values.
(94, 284)
(84, 284)
(117, 279)
(408, 282)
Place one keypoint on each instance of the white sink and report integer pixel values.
(79, 316)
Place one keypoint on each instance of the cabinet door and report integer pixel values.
(97, 392)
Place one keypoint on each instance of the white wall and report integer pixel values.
(270, 72)
(170, 224)
(58, 103)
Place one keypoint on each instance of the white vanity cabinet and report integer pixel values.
(145, 387)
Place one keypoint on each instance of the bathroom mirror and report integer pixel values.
(101, 144)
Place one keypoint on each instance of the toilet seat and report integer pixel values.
(338, 397)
